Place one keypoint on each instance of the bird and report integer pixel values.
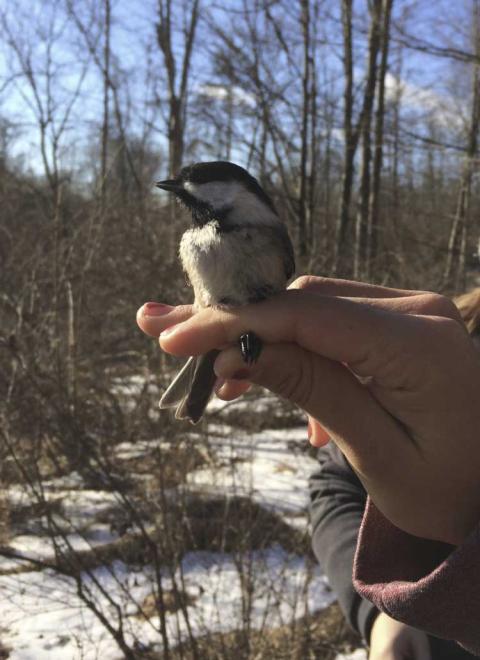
(237, 251)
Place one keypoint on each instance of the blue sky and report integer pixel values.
(136, 52)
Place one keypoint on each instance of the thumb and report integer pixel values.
(328, 392)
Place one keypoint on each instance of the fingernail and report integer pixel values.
(156, 309)
(241, 374)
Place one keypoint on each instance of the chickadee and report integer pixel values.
(238, 251)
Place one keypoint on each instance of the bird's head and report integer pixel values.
(222, 191)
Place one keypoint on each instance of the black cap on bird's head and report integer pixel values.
(211, 189)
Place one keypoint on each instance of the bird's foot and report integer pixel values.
(251, 347)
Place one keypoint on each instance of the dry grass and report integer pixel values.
(216, 524)
(228, 524)
(172, 602)
(318, 636)
(274, 413)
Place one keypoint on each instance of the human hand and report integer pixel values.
(410, 428)
(393, 640)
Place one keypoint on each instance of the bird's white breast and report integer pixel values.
(226, 267)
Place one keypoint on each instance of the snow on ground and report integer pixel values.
(264, 466)
(42, 616)
(263, 404)
(79, 510)
(358, 654)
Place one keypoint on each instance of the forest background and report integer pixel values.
(360, 119)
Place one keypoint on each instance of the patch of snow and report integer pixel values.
(43, 617)
(41, 614)
(261, 465)
(78, 520)
(358, 654)
(283, 587)
(41, 547)
(72, 481)
(132, 385)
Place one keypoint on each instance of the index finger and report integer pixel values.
(328, 286)
(338, 328)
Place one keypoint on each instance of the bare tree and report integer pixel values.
(374, 196)
(102, 60)
(350, 140)
(454, 274)
(178, 73)
(366, 127)
(39, 70)
(306, 136)
(106, 100)
(82, 244)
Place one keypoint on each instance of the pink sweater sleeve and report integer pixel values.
(429, 585)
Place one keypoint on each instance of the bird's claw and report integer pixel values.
(251, 347)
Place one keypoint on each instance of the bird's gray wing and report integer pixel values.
(191, 389)
(198, 395)
(279, 237)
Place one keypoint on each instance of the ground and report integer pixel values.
(237, 578)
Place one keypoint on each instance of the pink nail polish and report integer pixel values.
(156, 309)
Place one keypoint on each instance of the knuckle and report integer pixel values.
(435, 304)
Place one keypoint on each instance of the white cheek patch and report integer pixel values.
(244, 206)
(217, 193)
(191, 188)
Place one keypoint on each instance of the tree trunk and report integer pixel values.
(177, 93)
(454, 273)
(364, 192)
(373, 205)
(106, 96)
(395, 210)
(350, 142)
(305, 133)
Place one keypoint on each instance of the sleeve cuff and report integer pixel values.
(429, 585)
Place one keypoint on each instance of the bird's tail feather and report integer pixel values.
(175, 392)
(192, 388)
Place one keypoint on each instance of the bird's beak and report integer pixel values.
(170, 184)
